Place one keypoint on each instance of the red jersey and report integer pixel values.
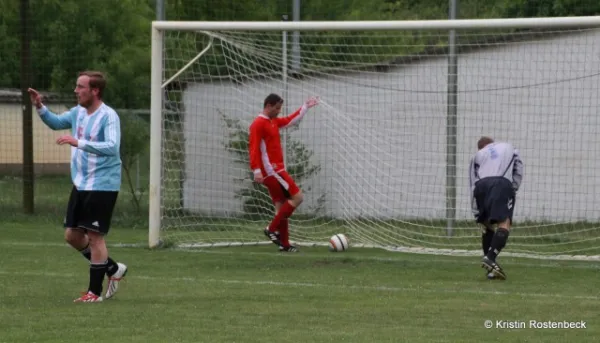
(266, 155)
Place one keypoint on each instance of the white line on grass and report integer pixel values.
(460, 259)
(409, 250)
(431, 259)
(326, 286)
(398, 289)
(51, 244)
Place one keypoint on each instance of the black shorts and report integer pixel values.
(495, 199)
(90, 210)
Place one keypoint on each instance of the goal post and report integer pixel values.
(156, 120)
(374, 158)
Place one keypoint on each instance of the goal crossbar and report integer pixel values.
(544, 22)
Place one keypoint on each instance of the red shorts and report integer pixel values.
(281, 186)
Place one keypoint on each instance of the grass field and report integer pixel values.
(51, 195)
(254, 294)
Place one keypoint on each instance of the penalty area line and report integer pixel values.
(413, 289)
(458, 259)
(54, 244)
(432, 257)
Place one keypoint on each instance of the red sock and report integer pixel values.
(284, 233)
(284, 212)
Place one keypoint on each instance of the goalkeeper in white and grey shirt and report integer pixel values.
(495, 175)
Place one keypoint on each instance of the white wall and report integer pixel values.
(46, 151)
(380, 137)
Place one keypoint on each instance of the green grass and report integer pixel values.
(51, 194)
(254, 294)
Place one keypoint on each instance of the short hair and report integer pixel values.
(97, 80)
(483, 141)
(272, 99)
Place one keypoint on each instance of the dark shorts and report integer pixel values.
(90, 210)
(495, 199)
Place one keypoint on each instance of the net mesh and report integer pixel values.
(372, 158)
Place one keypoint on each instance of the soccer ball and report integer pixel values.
(338, 242)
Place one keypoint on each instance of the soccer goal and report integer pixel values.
(384, 158)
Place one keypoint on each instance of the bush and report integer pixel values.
(135, 142)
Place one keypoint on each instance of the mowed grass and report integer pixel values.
(184, 227)
(255, 294)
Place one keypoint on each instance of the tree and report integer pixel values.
(110, 35)
(9, 44)
(114, 35)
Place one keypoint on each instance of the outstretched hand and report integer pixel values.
(311, 102)
(36, 98)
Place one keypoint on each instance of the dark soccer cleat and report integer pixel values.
(493, 268)
(290, 248)
(490, 275)
(273, 236)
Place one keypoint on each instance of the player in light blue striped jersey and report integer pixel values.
(95, 141)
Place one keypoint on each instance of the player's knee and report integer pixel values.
(487, 227)
(74, 237)
(297, 199)
(69, 237)
(96, 239)
(505, 224)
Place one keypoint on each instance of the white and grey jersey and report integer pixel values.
(498, 159)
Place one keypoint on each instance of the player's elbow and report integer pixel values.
(55, 126)
(112, 149)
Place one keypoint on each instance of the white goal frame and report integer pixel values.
(157, 85)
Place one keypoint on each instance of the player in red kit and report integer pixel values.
(266, 162)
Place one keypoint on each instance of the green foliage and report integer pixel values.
(257, 202)
(9, 44)
(135, 141)
(114, 35)
(70, 36)
(550, 8)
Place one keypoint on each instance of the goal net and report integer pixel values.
(384, 158)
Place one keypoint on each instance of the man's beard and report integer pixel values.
(86, 104)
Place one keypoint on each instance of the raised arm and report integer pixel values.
(52, 120)
(55, 121)
(295, 117)
(112, 138)
(518, 169)
(255, 138)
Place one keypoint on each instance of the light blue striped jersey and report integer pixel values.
(96, 161)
